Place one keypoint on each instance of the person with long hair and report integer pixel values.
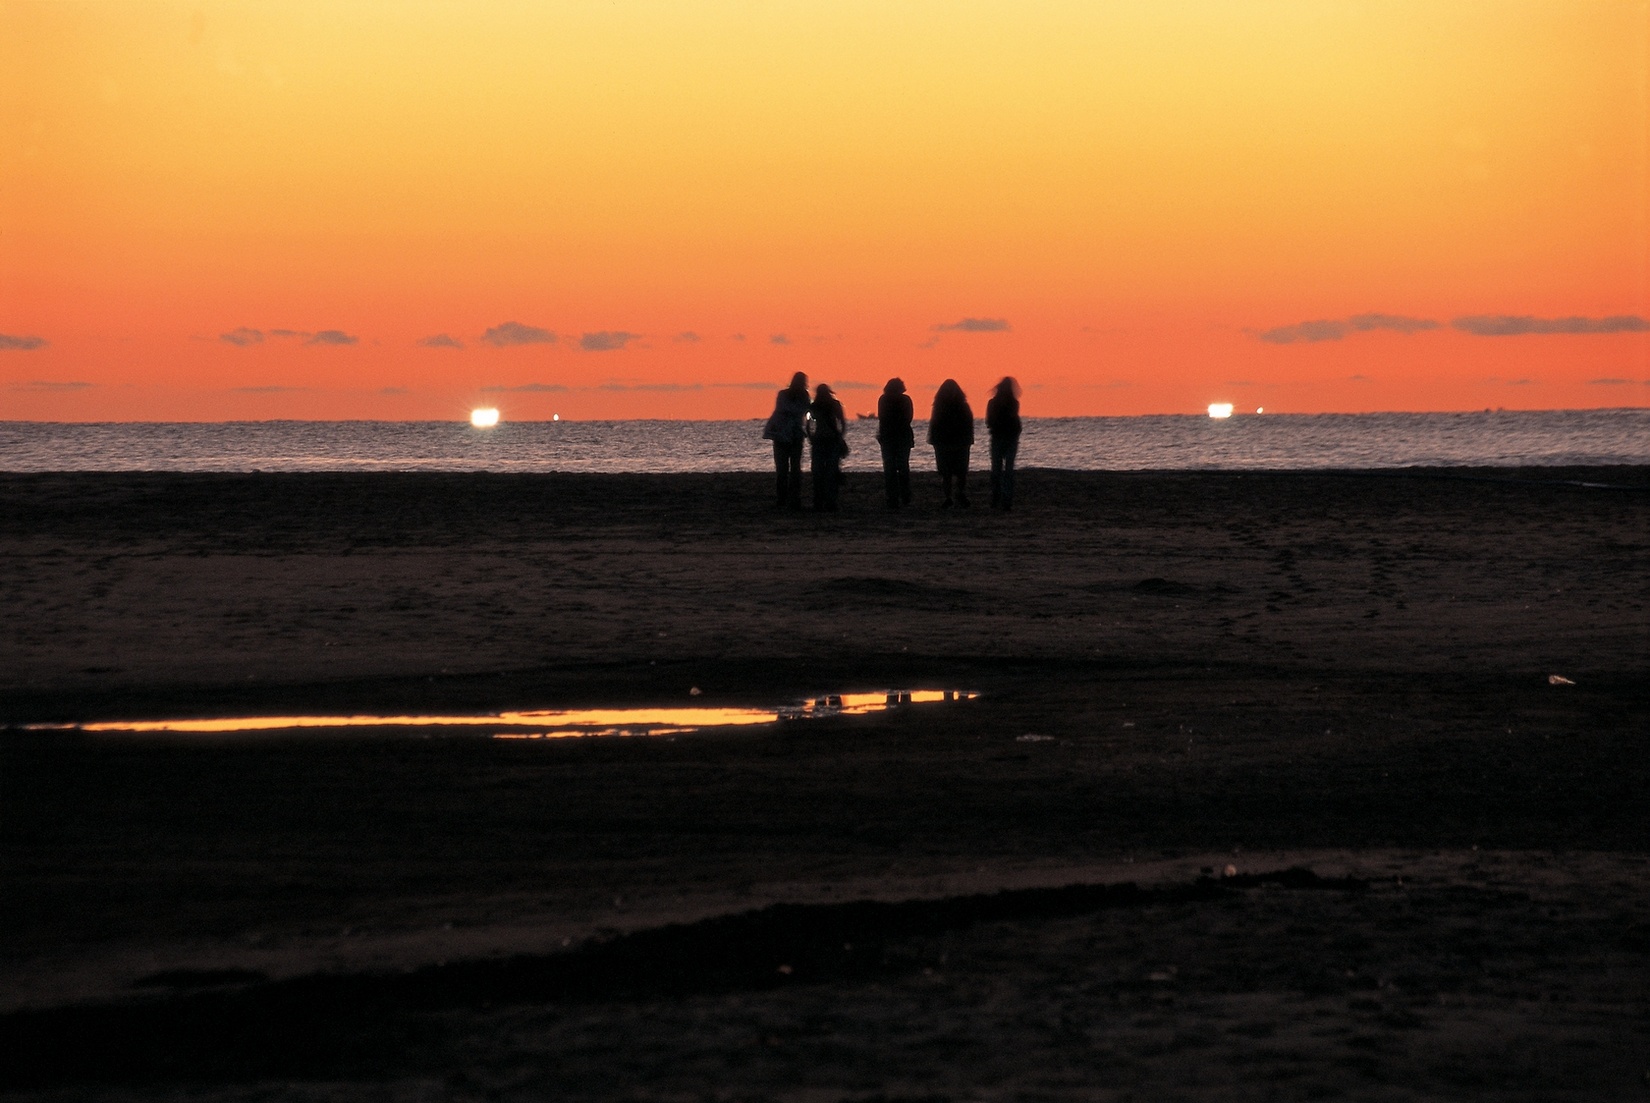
(787, 429)
(1002, 421)
(951, 432)
(896, 440)
(827, 441)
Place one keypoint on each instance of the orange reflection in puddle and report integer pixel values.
(548, 723)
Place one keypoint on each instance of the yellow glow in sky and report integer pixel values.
(322, 209)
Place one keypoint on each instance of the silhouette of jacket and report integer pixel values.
(951, 425)
(785, 424)
(1002, 417)
(829, 427)
(894, 412)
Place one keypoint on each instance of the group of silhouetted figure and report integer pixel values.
(820, 424)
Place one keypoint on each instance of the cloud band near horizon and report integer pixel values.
(1335, 329)
(1478, 325)
(506, 334)
(606, 340)
(245, 336)
(974, 325)
(1516, 325)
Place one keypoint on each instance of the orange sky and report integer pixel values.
(243, 210)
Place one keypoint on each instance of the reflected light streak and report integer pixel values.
(576, 721)
(545, 723)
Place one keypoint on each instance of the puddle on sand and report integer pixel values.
(550, 723)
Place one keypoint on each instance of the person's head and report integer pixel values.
(822, 392)
(949, 394)
(1009, 387)
(799, 383)
(895, 385)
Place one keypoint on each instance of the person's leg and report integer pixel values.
(793, 476)
(903, 462)
(890, 474)
(782, 471)
(962, 480)
(833, 482)
(996, 473)
(1009, 455)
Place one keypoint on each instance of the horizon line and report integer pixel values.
(559, 420)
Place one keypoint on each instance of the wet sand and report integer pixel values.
(1343, 673)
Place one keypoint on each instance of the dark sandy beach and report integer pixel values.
(1341, 675)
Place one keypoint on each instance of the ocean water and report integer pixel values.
(1300, 442)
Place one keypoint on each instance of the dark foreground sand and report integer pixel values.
(1341, 674)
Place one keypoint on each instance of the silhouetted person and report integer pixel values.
(827, 445)
(787, 429)
(895, 436)
(1002, 420)
(951, 432)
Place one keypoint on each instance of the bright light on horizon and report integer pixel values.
(1220, 409)
(484, 418)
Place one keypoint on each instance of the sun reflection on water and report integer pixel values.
(548, 723)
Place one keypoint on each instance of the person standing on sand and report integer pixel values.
(827, 430)
(894, 435)
(951, 432)
(1002, 420)
(787, 429)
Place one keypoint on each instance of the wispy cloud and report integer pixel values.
(273, 388)
(1517, 325)
(753, 386)
(1335, 329)
(687, 335)
(527, 388)
(632, 385)
(606, 340)
(778, 339)
(1615, 382)
(441, 341)
(242, 336)
(856, 385)
(52, 385)
(514, 333)
(1397, 323)
(974, 325)
(13, 343)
